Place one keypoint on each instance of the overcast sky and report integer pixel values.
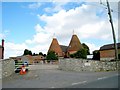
(32, 25)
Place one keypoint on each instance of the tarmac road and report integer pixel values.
(104, 82)
(54, 78)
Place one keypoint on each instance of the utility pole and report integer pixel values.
(113, 32)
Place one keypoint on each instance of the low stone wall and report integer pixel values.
(108, 59)
(7, 67)
(86, 65)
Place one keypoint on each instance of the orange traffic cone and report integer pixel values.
(23, 71)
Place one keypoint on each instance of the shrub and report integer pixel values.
(82, 53)
(51, 56)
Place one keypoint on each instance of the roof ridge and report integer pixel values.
(109, 46)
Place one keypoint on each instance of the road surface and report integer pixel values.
(103, 82)
(54, 78)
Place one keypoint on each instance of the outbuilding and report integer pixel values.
(107, 52)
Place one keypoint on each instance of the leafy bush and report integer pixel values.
(51, 56)
(87, 48)
(82, 53)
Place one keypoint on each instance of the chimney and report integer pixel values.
(2, 42)
(2, 48)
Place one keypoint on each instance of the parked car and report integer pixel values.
(19, 64)
(18, 69)
(26, 66)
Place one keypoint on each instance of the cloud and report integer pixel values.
(41, 40)
(34, 5)
(40, 48)
(86, 23)
(13, 49)
(41, 36)
(57, 6)
(2, 35)
(38, 28)
(92, 47)
(84, 20)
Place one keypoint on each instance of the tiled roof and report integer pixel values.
(55, 46)
(75, 44)
(64, 48)
(109, 46)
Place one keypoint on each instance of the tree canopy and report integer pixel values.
(40, 53)
(87, 48)
(27, 52)
(34, 54)
(82, 53)
(51, 56)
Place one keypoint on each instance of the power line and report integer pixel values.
(106, 7)
(102, 5)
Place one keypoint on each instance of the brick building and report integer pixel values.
(38, 58)
(107, 52)
(65, 51)
(30, 59)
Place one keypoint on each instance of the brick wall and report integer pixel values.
(108, 54)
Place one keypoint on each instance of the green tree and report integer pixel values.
(87, 48)
(40, 53)
(72, 55)
(51, 56)
(96, 55)
(27, 52)
(34, 54)
(82, 53)
(30, 52)
(44, 55)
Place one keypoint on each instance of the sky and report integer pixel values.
(33, 25)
